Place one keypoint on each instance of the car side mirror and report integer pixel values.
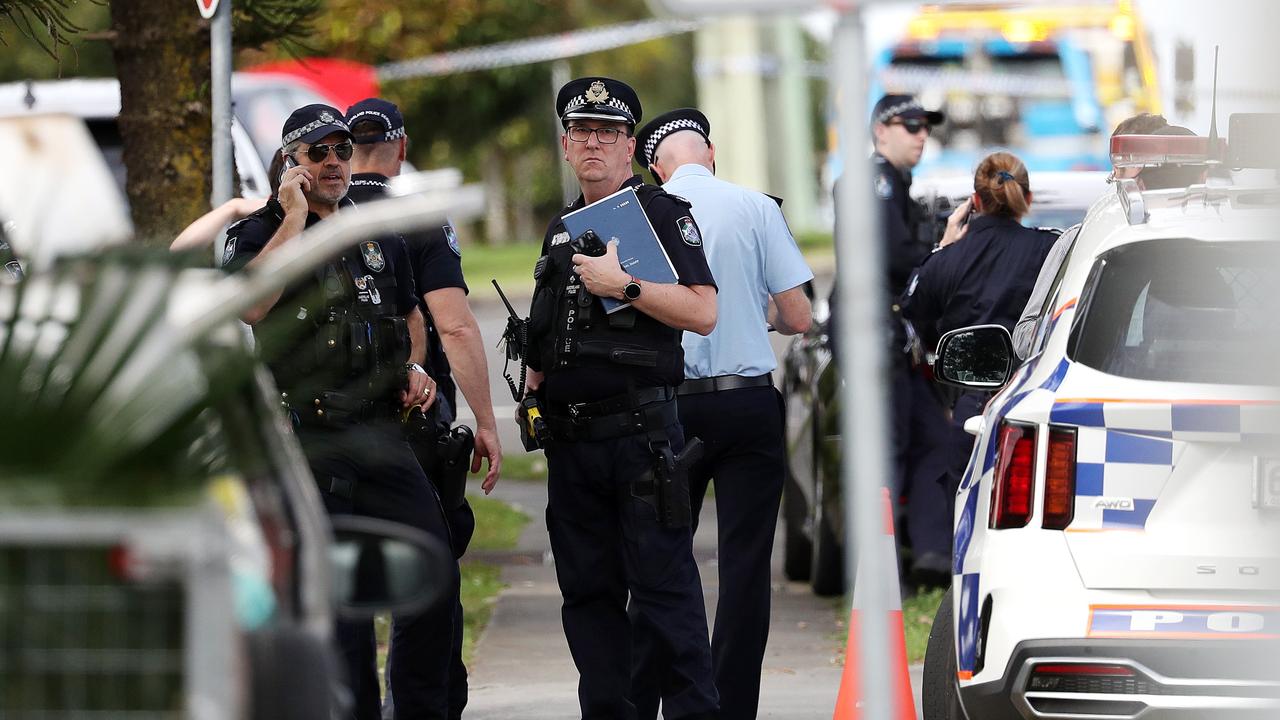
(380, 566)
(978, 357)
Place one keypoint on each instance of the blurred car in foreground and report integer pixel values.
(812, 511)
(164, 552)
(1117, 537)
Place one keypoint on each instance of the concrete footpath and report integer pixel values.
(522, 667)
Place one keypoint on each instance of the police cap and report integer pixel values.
(310, 123)
(598, 98)
(382, 112)
(905, 107)
(658, 129)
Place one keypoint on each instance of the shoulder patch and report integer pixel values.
(229, 249)
(559, 238)
(884, 186)
(689, 231)
(452, 236)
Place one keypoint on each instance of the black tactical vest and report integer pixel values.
(339, 330)
(570, 329)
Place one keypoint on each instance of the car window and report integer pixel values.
(1051, 304)
(1183, 311)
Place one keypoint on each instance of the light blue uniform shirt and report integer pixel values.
(752, 256)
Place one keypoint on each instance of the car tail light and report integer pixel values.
(1015, 476)
(1060, 479)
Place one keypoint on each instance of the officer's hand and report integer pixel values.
(295, 181)
(421, 391)
(957, 224)
(487, 446)
(603, 276)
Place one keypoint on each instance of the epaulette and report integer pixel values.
(1056, 232)
(271, 213)
(647, 193)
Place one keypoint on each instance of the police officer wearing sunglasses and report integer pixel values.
(338, 345)
(900, 126)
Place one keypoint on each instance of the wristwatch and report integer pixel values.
(414, 367)
(631, 291)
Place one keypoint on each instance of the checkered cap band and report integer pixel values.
(666, 129)
(612, 102)
(296, 134)
(894, 110)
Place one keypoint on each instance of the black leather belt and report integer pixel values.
(606, 427)
(724, 382)
(617, 403)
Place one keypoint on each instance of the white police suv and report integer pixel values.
(1117, 530)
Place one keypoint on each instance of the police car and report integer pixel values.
(1118, 526)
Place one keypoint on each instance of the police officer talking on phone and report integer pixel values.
(607, 384)
(338, 344)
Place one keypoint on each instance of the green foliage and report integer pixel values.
(258, 22)
(45, 22)
(498, 525)
(28, 56)
(917, 619)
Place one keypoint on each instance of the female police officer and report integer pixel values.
(982, 275)
(607, 382)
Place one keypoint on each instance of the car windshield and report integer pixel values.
(1184, 311)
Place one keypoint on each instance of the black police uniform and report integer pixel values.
(609, 391)
(983, 279)
(336, 343)
(919, 426)
(436, 261)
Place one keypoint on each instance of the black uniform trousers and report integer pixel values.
(921, 440)
(368, 469)
(608, 543)
(745, 455)
(960, 443)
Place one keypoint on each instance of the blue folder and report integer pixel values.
(620, 217)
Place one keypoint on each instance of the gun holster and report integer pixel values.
(669, 488)
(453, 460)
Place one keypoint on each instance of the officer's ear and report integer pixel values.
(711, 148)
(404, 148)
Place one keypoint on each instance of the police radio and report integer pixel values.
(534, 432)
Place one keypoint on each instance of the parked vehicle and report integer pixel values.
(1116, 533)
(812, 513)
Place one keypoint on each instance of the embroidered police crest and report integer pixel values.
(371, 253)
(559, 238)
(884, 188)
(689, 231)
(452, 236)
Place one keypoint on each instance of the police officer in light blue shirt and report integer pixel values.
(728, 399)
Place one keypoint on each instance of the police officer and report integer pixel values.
(899, 127)
(728, 400)
(607, 382)
(11, 268)
(380, 148)
(338, 346)
(984, 278)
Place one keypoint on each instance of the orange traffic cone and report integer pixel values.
(849, 701)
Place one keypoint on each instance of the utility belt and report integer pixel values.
(335, 409)
(642, 411)
(698, 386)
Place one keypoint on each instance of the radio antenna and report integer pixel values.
(1213, 110)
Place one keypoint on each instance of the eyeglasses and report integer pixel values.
(606, 135)
(318, 153)
(912, 126)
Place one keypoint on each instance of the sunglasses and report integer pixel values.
(912, 126)
(318, 153)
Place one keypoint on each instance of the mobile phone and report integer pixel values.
(289, 162)
(967, 213)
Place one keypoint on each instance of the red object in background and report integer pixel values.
(342, 82)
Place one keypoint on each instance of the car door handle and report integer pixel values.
(975, 425)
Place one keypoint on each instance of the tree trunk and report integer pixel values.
(496, 227)
(161, 50)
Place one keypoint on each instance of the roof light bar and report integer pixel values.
(1155, 150)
